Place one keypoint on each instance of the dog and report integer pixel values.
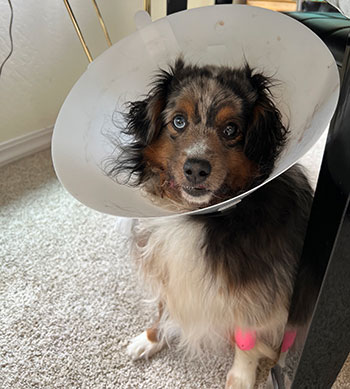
(202, 135)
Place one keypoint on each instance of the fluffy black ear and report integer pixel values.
(266, 134)
(144, 122)
(144, 118)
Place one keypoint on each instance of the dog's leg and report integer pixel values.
(243, 372)
(278, 377)
(148, 342)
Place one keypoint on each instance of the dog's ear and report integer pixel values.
(266, 133)
(144, 122)
(144, 119)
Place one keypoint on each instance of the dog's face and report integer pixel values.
(203, 135)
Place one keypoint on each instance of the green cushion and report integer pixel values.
(316, 15)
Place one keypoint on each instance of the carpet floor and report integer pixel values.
(70, 300)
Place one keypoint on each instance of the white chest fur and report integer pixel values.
(171, 257)
(172, 260)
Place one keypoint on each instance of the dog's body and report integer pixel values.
(202, 136)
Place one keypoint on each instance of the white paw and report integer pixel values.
(142, 347)
(234, 381)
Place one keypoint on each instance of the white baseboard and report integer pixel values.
(25, 145)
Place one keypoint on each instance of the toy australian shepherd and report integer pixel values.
(201, 136)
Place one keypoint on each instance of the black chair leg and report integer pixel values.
(328, 242)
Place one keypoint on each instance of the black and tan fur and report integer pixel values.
(201, 136)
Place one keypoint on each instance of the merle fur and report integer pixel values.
(264, 132)
(259, 241)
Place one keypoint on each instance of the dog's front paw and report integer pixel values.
(234, 381)
(142, 347)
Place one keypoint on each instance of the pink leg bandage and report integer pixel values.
(245, 340)
(288, 340)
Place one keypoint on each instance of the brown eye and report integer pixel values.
(231, 131)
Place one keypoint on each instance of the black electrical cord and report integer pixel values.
(11, 38)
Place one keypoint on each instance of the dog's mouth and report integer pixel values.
(197, 196)
(196, 191)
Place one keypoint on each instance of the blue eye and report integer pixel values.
(179, 122)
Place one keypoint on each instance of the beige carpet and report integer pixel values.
(69, 299)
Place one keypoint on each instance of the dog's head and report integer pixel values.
(203, 134)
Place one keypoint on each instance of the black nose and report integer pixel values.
(197, 170)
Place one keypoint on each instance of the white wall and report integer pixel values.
(48, 57)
